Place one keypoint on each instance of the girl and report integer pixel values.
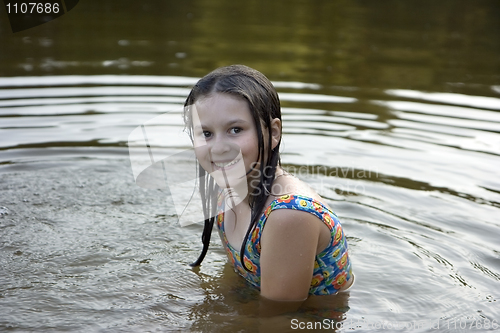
(277, 232)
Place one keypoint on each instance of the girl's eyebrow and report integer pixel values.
(235, 121)
(228, 123)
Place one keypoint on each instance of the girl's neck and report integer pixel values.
(240, 194)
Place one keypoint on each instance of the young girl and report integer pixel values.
(277, 232)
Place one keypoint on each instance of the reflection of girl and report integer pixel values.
(277, 232)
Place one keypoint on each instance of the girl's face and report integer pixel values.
(225, 138)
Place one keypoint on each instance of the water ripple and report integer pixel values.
(481, 102)
(411, 175)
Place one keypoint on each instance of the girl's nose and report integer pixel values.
(220, 148)
(224, 150)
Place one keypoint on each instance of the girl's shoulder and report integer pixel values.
(300, 202)
(289, 189)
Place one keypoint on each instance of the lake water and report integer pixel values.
(390, 111)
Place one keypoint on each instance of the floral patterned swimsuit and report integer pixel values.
(332, 267)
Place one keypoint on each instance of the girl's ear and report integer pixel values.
(275, 132)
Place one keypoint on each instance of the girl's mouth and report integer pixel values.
(225, 165)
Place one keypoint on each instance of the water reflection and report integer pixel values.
(390, 110)
(411, 45)
(231, 302)
(409, 173)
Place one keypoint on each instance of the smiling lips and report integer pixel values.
(226, 164)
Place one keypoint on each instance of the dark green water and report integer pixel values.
(391, 112)
(385, 44)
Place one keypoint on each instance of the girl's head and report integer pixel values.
(233, 115)
(243, 95)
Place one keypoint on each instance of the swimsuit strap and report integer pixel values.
(303, 203)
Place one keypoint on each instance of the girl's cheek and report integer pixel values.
(199, 143)
(200, 152)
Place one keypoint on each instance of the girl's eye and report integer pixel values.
(235, 130)
(207, 134)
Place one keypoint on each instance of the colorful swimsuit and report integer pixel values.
(332, 267)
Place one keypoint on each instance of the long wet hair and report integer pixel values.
(253, 87)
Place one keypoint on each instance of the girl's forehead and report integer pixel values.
(220, 98)
(222, 105)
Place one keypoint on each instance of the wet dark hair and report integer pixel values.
(252, 86)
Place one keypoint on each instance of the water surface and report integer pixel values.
(390, 111)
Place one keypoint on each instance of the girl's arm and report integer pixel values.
(289, 245)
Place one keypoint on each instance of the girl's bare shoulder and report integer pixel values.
(291, 185)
